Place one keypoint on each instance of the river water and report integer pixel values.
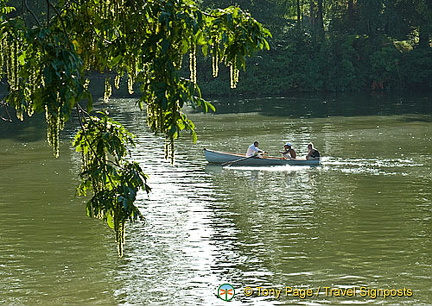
(350, 231)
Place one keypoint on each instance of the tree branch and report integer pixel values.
(4, 104)
(31, 12)
(58, 15)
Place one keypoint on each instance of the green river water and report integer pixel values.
(350, 231)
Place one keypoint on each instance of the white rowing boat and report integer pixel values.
(217, 157)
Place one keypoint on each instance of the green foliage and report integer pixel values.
(113, 180)
(384, 67)
(341, 64)
(416, 67)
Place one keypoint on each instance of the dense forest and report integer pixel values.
(334, 46)
(327, 46)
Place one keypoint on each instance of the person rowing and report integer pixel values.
(253, 150)
(288, 152)
(312, 152)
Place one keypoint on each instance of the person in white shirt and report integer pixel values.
(253, 150)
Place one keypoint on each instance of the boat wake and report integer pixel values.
(349, 166)
(372, 166)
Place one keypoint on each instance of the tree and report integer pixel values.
(418, 16)
(46, 58)
(317, 16)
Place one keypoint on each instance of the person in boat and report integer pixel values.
(288, 152)
(253, 150)
(312, 152)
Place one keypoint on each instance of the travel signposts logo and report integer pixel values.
(225, 292)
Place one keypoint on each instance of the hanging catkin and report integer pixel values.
(193, 64)
(234, 73)
(215, 61)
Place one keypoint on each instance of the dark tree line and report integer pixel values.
(337, 45)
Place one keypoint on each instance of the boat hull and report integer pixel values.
(217, 157)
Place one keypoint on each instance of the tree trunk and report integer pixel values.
(316, 17)
(423, 38)
(350, 11)
(298, 12)
(320, 17)
(350, 16)
(312, 15)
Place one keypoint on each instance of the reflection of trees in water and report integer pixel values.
(22, 131)
(324, 105)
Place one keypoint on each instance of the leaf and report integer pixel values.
(116, 60)
(110, 220)
(22, 58)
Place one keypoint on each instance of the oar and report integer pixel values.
(237, 160)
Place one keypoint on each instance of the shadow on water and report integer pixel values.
(31, 129)
(417, 118)
(34, 128)
(419, 106)
(327, 105)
